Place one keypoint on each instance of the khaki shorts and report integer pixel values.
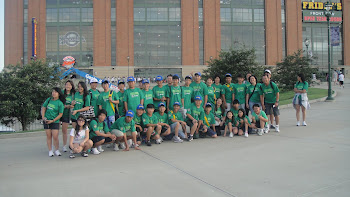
(129, 133)
(117, 133)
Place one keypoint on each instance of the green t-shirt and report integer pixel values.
(211, 96)
(163, 118)
(79, 103)
(227, 90)
(103, 100)
(237, 119)
(53, 109)
(269, 92)
(302, 86)
(196, 112)
(262, 113)
(256, 94)
(219, 113)
(124, 126)
(230, 120)
(149, 120)
(176, 116)
(235, 112)
(209, 119)
(148, 97)
(121, 103)
(240, 92)
(94, 97)
(67, 111)
(167, 88)
(175, 94)
(138, 119)
(199, 89)
(159, 93)
(95, 125)
(217, 90)
(247, 83)
(187, 95)
(133, 98)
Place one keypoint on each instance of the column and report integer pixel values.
(346, 31)
(294, 25)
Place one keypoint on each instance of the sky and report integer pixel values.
(2, 16)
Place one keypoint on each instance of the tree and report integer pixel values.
(290, 67)
(234, 61)
(23, 89)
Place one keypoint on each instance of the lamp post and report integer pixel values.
(128, 58)
(328, 13)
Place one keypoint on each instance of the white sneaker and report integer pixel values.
(115, 147)
(161, 139)
(177, 139)
(100, 149)
(51, 153)
(260, 132)
(246, 134)
(122, 145)
(158, 141)
(277, 128)
(58, 153)
(129, 142)
(95, 151)
(108, 146)
(304, 123)
(298, 123)
(231, 134)
(266, 129)
(64, 149)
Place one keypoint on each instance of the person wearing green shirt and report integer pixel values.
(177, 123)
(163, 122)
(147, 93)
(199, 88)
(126, 125)
(217, 87)
(253, 93)
(81, 102)
(227, 90)
(247, 81)
(121, 87)
(259, 120)
(108, 100)
(159, 92)
(151, 126)
(211, 94)
(94, 94)
(300, 99)
(239, 91)
(219, 113)
(270, 100)
(51, 112)
(195, 117)
(132, 96)
(169, 80)
(209, 122)
(187, 95)
(235, 108)
(68, 93)
(175, 93)
(230, 124)
(242, 123)
(140, 110)
(100, 133)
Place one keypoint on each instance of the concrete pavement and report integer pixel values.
(298, 161)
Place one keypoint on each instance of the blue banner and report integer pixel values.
(335, 36)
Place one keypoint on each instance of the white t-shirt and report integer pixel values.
(341, 77)
(80, 137)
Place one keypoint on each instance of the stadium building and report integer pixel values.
(151, 37)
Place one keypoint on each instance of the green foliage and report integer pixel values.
(23, 90)
(235, 61)
(287, 70)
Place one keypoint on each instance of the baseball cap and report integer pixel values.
(177, 103)
(145, 81)
(208, 105)
(267, 71)
(129, 113)
(121, 82)
(161, 104)
(188, 77)
(131, 78)
(93, 80)
(159, 78)
(197, 98)
(228, 75)
(140, 107)
(198, 73)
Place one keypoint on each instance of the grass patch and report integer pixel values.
(313, 93)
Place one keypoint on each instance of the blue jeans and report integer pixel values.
(110, 120)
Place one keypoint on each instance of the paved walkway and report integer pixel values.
(298, 161)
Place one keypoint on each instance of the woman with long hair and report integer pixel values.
(81, 102)
(68, 93)
(51, 112)
(300, 99)
(79, 138)
(253, 93)
(219, 113)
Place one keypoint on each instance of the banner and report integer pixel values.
(335, 36)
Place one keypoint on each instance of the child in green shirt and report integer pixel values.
(151, 126)
(230, 125)
(147, 93)
(187, 95)
(121, 109)
(177, 123)
(242, 123)
(159, 92)
(209, 122)
(132, 96)
(259, 119)
(239, 91)
(195, 116)
(163, 121)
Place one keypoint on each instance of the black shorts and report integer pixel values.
(99, 138)
(164, 129)
(341, 82)
(52, 126)
(269, 106)
(189, 123)
(65, 119)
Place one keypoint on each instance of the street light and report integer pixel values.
(328, 13)
(128, 58)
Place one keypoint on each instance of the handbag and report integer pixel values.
(90, 113)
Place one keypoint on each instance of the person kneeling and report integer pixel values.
(208, 127)
(150, 124)
(259, 119)
(242, 123)
(79, 138)
(177, 124)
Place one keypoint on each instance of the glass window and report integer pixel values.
(25, 2)
(139, 14)
(200, 14)
(87, 14)
(201, 45)
(259, 15)
(51, 15)
(242, 15)
(51, 3)
(225, 14)
(157, 14)
(174, 14)
(113, 46)
(25, 15)
(225, 2)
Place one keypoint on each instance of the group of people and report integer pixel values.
(338, 76)
(130, 117)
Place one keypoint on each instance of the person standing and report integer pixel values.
(335, 77)
(239, 91)
(68, 93)
(199, 88)
(217, 87)
(159, 92)
(253, 93)
(82, 102)
(174, 95)
(147, 93)
(121, 87)
(94, 94)
(187, 95)
(51, 112)
(227, 91)
(341, 80)
(132, 96)
(108, 100)
(300, 99)
(211, 94)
